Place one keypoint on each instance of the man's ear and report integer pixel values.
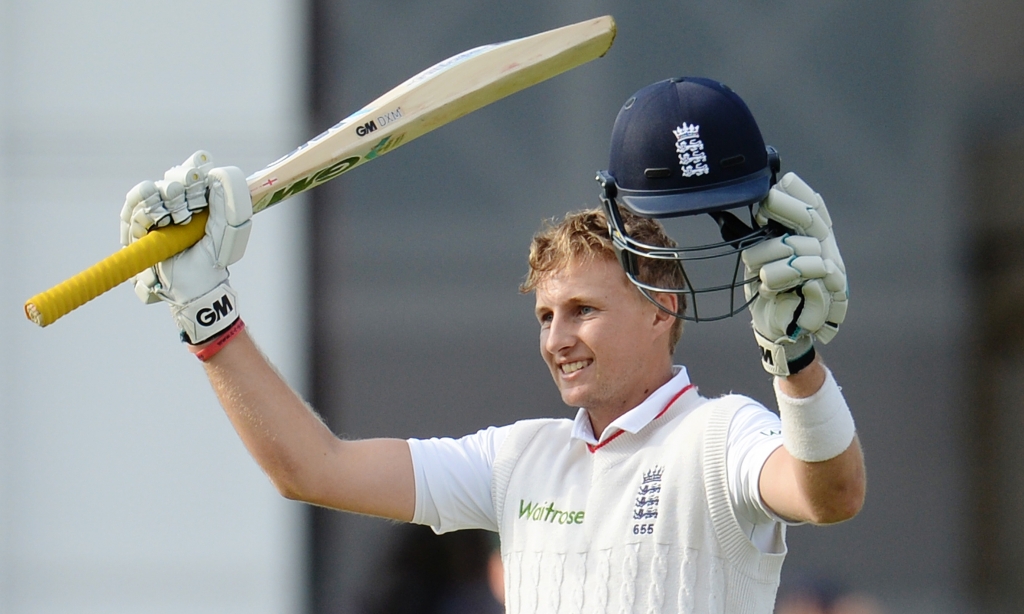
(669, 301)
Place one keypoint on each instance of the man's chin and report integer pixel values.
(574, 397)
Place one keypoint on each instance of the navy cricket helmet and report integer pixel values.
(684, 147)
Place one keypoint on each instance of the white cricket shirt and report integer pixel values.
(453, 476)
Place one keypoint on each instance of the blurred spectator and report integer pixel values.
(454, 573)
(821, 595)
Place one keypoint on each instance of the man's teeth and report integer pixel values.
(573, 366)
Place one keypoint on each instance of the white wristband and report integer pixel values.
(818, 427)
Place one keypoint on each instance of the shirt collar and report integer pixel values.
(638, 417)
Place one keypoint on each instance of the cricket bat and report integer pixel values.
(442, 93)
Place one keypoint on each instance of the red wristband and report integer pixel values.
(208, 350)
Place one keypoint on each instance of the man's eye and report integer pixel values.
(586, 310)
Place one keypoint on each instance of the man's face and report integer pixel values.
(605, 345)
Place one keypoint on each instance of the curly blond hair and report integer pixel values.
(583, 236)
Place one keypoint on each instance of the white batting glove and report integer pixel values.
(802, 294)
(195, 282)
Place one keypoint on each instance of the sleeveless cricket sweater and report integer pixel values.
(641, 524)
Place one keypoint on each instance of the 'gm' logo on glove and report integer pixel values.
(207, 316)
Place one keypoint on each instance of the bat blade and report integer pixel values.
(440, 94)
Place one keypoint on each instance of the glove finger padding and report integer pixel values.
(780, 248)
(783, 275)
(143, 208)
(793, 203)
(191, 174)
(781, 264)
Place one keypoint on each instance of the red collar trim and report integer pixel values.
(594, 448)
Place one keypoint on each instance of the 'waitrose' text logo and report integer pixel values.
(547, 513)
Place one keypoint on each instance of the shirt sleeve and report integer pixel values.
(453, 480)
(754, 434)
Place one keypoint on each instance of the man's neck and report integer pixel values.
(599, 422)
(601, 417)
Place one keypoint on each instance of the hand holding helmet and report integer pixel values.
(802, 292)
(689, 146)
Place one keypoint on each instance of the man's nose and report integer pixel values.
(561, 334)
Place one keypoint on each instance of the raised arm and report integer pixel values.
(303, 459)
(819, 491)
(818, 474)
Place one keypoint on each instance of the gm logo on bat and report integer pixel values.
(381, 121)
(330, 172)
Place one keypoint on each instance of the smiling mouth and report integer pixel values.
(572, 367)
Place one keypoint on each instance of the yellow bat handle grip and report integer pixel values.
(159, 245)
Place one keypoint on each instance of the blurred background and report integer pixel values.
(388, 297)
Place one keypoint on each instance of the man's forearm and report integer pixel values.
(824, 492)
(275, 425)
(302, 457)
(818, 475)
